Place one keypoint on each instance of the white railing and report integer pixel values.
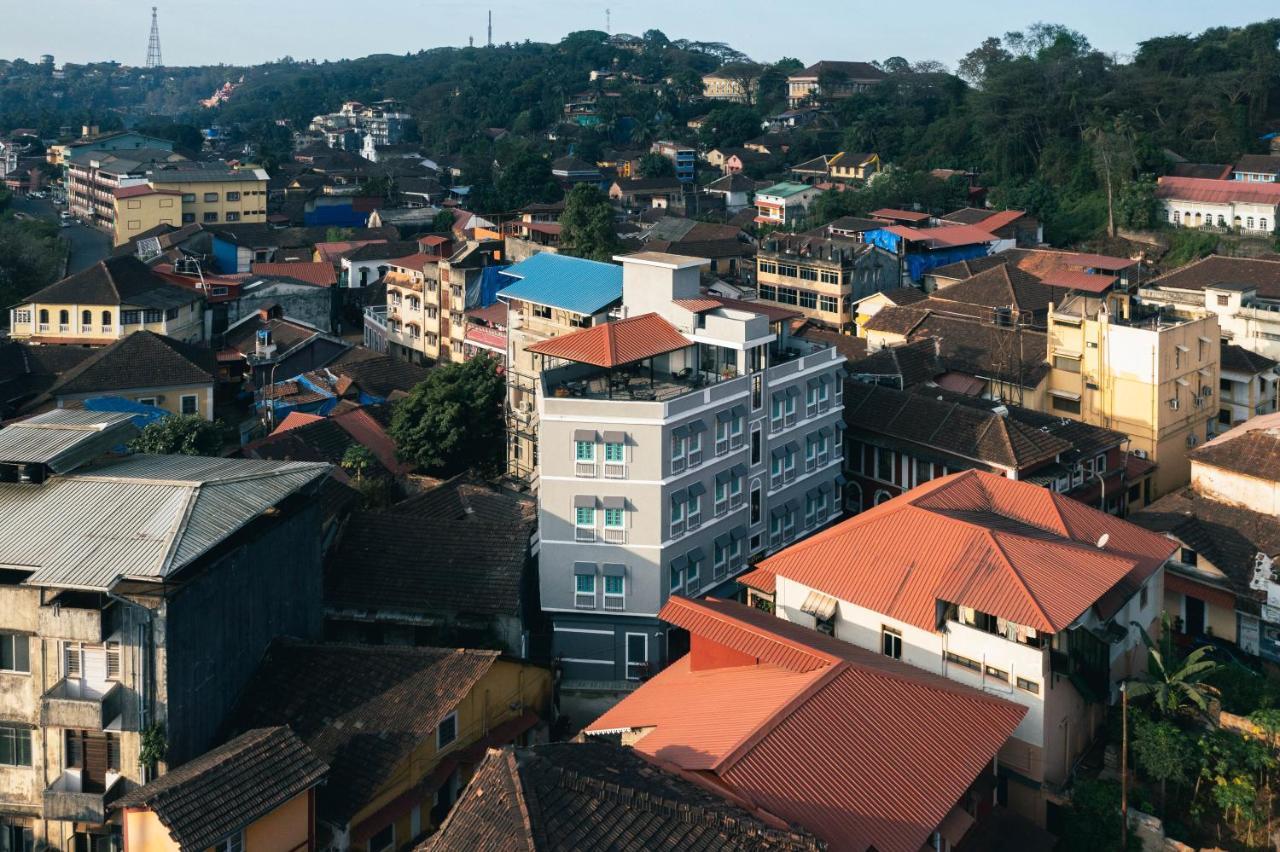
(615, 470)
(584, 468)
(613, 535)
(584, 534)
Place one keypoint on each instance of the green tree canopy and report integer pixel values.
(186, 435)
(729, 125)
(654, 165)
(452, 421)
(1175, 684)
(587, 228)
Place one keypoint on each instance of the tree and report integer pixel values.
(358, 460)
(1111, 141)
(452, 421)
(1137, 206)
(587, 228)
(729, 125)
(1093, 821)
(1162, 751)
(654, 165)
(185, 435)
(443, 221)
(1175, 685)
(527, 178)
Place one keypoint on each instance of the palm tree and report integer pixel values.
(1175, 685)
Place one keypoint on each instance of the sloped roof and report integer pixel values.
(854, 70)
(735, 182)
(1264, 163)
(359, 708)
(949, 427)
(142, 517)
(1249, 449)
(1007, 548)
(223, 790)
(912, 363)
(817, 731)
(613, 344)
(1000, 286)
(901, 215)
(1237, 359)
(142, 359)
(560, 281)
(122, 279)
(376, 373)
(564, 797)
(319, 273)
(1217, 191)
(1216, 270)
(64, 439)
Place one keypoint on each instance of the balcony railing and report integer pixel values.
(613, 535)
(584, 534)
(65, 800)
(73, 704)
(584, 468)
(73, 624)
(615, 470)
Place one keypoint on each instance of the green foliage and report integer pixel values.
(728, 126)
(1136, 205)
(452, 421)
(1162, 751)
(1188, 244)
(442, 222)
(31, 256)
(893, 188)
(1245, 692)
(586, 227)
(654, 165)
(358, 460)
(154, 746)
(1176, 685)
(1092, 824)
(183, 135)
(526, 179)
(337, 235)
(186, 435)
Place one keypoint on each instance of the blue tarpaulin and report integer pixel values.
(143, 415)
(918, 263)
(491, 281)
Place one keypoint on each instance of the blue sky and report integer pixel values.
(200, 32)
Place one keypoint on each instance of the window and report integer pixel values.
(234, 843)
(827, 304)
(808, 299)
(677, 513)
(15, 746)
(998, 674)
(891, 642)
(585, 516)
(1067, 363)
(757, 389)
(233, 216)
(1029, 686)
(64, 317)
(106, 318)
(22, 317)
(584, 588)
(86, 318)
(171, 314)
(695, 570)
(677, 574)
(233, 196)
(830, 277)
(884, 465)
(757, 445)
(756, 505)
(1223, 301)
(383, 840)
(584, 451)
(189, 198)
(808, 273)
(1187, 556)
(787, 295)
(614, 453)
(768, 292)
(15, 838)
(447, 731)
(613, 519)
(1142, 597)
(188, 218)
(152, 315)
(15, 650)
(1070, 406)
(210, 197)
(972, 665)
(613, 592)
(211, 216)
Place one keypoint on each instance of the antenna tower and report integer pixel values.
(490, 42)
(608, 21)
(153, 44)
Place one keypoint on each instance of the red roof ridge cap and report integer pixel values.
(993, 538)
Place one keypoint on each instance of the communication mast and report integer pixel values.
(153, 44)
(490, 42)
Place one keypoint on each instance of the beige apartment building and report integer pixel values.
(185, 193)
(1152, 374)
(821, 278)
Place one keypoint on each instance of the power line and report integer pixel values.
(153, 44)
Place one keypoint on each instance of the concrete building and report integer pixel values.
(737, 83)
(185, 193)
(385, 122)
(999, 585)
(784, 204)
(1242, 206)
(674, 444)
(822, 279)
(831, 80)
(149, 587)
(685, 159)
(1247, 387)
(1151, 374)
(93, 177)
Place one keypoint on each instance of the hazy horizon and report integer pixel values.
(249, 32)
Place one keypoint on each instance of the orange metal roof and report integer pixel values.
(945, 236)
(900, 215)
(816, 731)
(1007, 548)
(697, 305)
(614, 343)
(760, 580)
(318, 273)
(1074, 279)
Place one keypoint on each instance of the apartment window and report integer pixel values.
(1142, 597)
(584, 451)
(614, 453)
(787, 270)
(1068, 363)
(1028, 686)
(189, 198)
(188, 218)
(16, 838)
(677, 513)
(86, 319)
(827, 304)
(15, 745)
(113, 660)
(171, 313)
(829, 277)
(585, 517)
(447, 731)
(677, 451)
(694, 572)
(1223, 301)
(152, 315)
(383, 840)
(722, 432)
(757, 389)
(891, 642)
(234, 843)
(1069, 406)
(613, 519)
(677, 573)
(787, 296)
(210, 197)
(720, 564)
(757, 444)
(768, 292)
(233, 216)
(106, 319)
(884, 465)
(15, 650)
(233, 196)
(756, 504)
(808, 299)
(998, 674)
(972, 665)
(210, 216)
(1187, 556)
(613, 592)
(22, 317)
(693, 511)
(808, 273)
(584, 591)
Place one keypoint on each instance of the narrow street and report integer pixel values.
(88, 245)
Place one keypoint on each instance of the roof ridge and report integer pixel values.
(1026, 587)
(751, 739)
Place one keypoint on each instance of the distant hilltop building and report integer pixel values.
(222, 94)
(384, 121)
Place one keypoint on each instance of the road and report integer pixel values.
(88, 245)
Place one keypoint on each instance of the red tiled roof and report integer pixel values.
(900, 215)
(485, 336)
(320, 274)
(1099, 261)
(495, 314)
(774, 313)
(334, 251)
(361, 426)
(1074, 279)
(814, 730)
(615, 343)
(761, 580)
(294, 419)
(1001, 218)
(1217, 191)
(945, 236)
(1006, 548)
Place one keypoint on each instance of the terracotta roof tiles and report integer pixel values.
(613, 344)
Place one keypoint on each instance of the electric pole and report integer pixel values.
(1124, 766)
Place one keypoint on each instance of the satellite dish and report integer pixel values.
(1103, 539)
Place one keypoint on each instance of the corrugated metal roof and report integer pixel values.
(561, 281)
(839, 749)
(64, 439)
(1217, 191)
(142, 517)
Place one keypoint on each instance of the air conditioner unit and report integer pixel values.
(1139, 454)
(1173, 403)
(1206, 392)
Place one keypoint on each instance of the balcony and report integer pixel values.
(67, 799)
(72, 703)
(71, 619)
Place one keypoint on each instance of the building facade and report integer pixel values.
(1241, 206)
(821, 279)
(831, 80)
(729, 452)
(182, 194)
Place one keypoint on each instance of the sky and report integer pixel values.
(237, 32)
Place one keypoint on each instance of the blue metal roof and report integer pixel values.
(568, 283)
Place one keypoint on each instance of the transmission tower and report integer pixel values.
(153, 44)
(490, 41)
(608, 21)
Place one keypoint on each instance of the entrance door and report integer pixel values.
(637, 655)
(1194, 624)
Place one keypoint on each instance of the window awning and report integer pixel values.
(615, 502)
(841, 425)
(812, 384)
(724, 416)
(588, 568)
(777, 397)
(679, 563)
(722, 541)
(1183, 382)
(615, 437)
(777, 511)
(678, 496)
(587, 435)
(614, 569)
(1061, 394)
(680, 432)
(697, 489)
(738, 411)
(825, 431)
(778, 452)
(820, 606)
(793, 391)
(697, 426)
(813, 493)
(824, 379)
(792, 447)
(697, 555)
(738, 532)
(840, 480)
(738, 470)
(584, 501)
(1181, 348)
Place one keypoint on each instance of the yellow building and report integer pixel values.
(401, 728)
(184, 193)
(737, 84)
(1148, 373)
(109, 300)
(822, 277)
(848, 166)
(256, 792)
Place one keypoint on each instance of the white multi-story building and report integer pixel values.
(675, 443)
(1241, 205)
(997, 584)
